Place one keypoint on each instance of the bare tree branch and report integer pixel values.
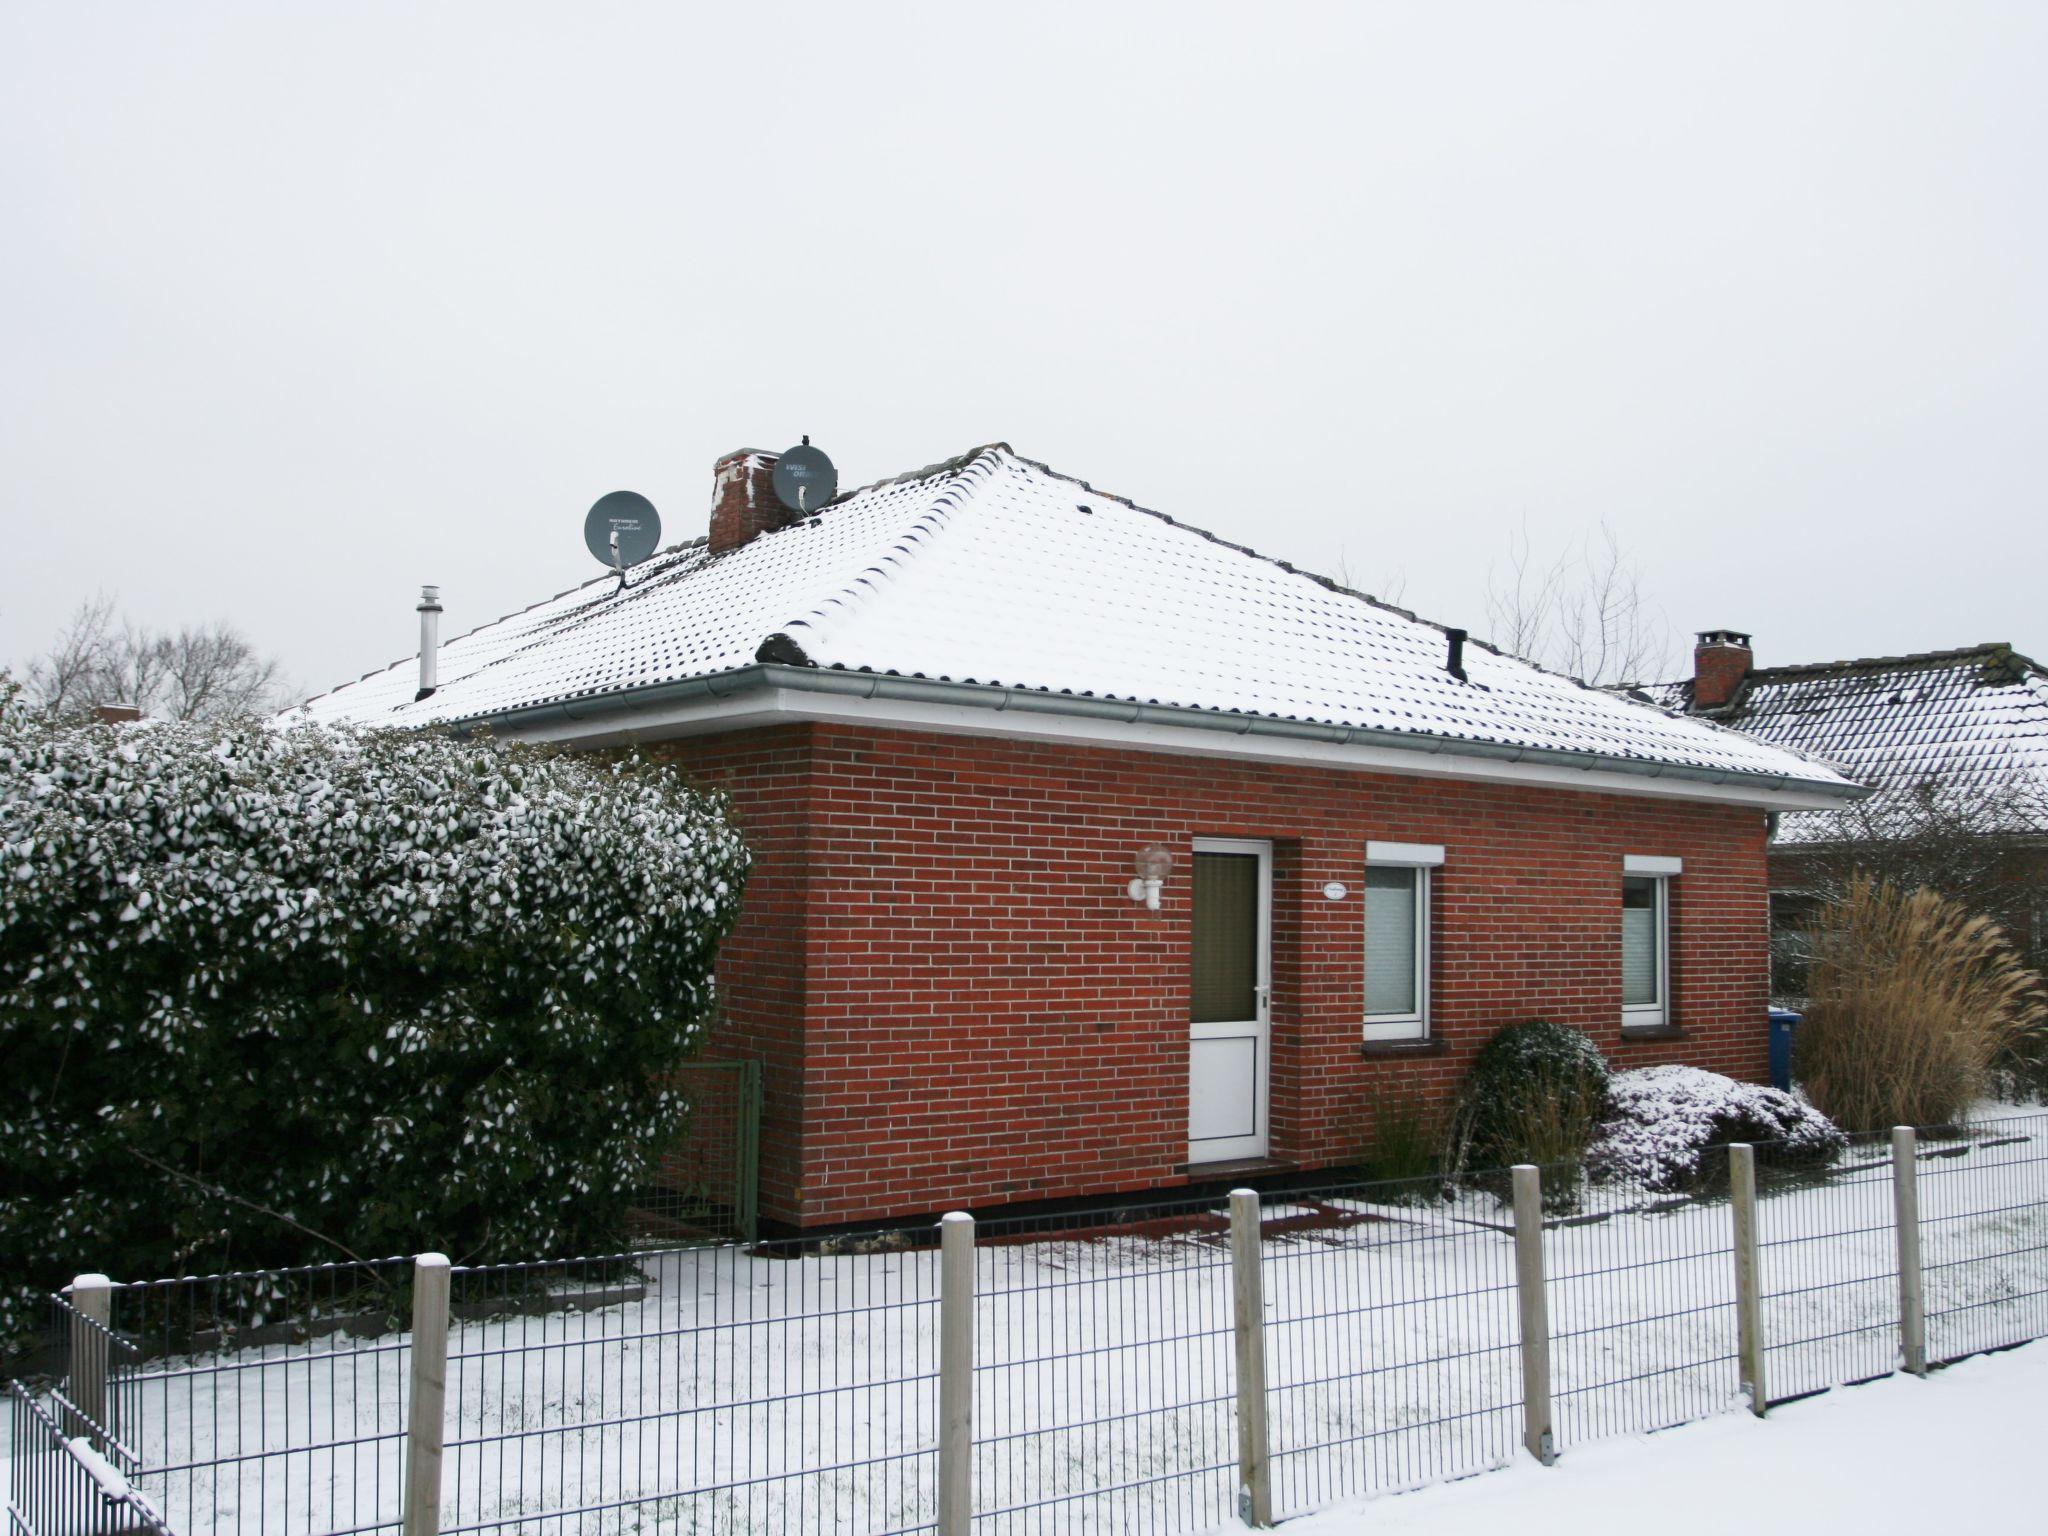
(202, 672)
(65, 680)
(1583, 613)
(1390, 589)
(1988, 852)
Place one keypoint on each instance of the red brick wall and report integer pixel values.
(761, 965)
(1717, 672)
(987, 1017)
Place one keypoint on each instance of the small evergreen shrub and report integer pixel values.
(1535, 1093)
(1662, 1121)
(282, 997)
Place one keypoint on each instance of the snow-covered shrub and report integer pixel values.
(1533, 1095)
(1661, 1120)
(400, 991)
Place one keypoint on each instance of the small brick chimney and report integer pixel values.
(1720, 661)
(117, 714)
(743, 499)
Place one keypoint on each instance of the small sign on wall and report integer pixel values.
(1336, 890)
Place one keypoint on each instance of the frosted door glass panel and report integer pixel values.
(1222, 1095)
(1639, 981)
(1226, 938)
(1390, 940)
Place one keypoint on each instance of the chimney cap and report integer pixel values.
(1724, 637)
(430, 599)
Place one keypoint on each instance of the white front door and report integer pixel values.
(1230, 1016)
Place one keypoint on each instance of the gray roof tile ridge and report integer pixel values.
(1989, 651)
(1331, 584)
(964, 475)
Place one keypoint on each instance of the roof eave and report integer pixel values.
(619, 709)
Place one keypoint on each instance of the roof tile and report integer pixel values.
(994, 570)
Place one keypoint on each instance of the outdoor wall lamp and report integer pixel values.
(1152, 865)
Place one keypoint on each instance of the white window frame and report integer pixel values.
(1660, 871)
(1423, 858)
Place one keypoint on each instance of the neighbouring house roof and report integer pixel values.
(996, 581)
(1975, 719)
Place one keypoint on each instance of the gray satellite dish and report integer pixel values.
(805, 479)
(622, 529)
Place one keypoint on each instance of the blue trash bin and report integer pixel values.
(1783, 1022)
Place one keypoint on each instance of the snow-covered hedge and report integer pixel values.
(1660, 1120)
(402, 991)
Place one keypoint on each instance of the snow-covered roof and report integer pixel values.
(993, 571)
(1975, 718)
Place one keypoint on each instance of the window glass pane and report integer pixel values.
(1226, 938)
(1641, 986)
(1390, 916)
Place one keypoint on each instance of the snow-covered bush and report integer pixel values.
(1533, 1095)
(1661, 1120)
(399, 991)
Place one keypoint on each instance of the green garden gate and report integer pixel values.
(706, 1187)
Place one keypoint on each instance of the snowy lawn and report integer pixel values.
(1958, 1451)
(730, 1391)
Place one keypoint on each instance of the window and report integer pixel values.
(1646, 940)
(1397, 879)
(1227, 890)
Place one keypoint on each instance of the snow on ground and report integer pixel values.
(735, 1392)
(1957, 1451)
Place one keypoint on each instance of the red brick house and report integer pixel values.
(1954, 745)
(1096, 854)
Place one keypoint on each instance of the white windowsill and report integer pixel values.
(1396, 1029)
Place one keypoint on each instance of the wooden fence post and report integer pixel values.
(1535, 1308)
(92, 1297)
(1749, 1303)
(1248, 1311)
(1912, 1282)
(956, 1374)
(426, 1405)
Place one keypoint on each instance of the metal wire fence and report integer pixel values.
(1642, 1305)
(1391, 1339)
(1102, 1378)
(1829, 1260)
(779, 1387)
(270, 1401)
(705, 1187)
(58, 1484)
(793, 1386)
(1984, 1236)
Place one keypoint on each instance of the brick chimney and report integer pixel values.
(1720, 661)
(117, 714)
(743, 500)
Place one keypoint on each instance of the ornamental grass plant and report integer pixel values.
(1911, 1002)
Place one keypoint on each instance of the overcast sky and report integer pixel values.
(301, 306)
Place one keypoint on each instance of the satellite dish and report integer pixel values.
(622, 529)
(805, 479)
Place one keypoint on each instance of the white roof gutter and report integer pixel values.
(924, 703)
